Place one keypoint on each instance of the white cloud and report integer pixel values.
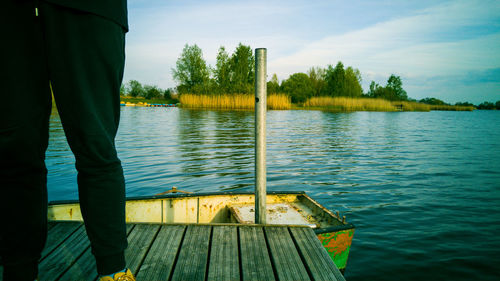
(414, 45)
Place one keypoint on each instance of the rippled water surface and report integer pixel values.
(422, 189)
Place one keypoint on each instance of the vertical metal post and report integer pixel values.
(260, 134)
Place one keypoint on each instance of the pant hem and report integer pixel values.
(110, 264)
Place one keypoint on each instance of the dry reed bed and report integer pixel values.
(236, 101)
(350, 104)
(279, 102)
(283, 102)
(412, 106)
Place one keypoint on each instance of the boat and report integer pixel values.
(282, 208)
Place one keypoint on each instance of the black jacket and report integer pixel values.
(115, 10)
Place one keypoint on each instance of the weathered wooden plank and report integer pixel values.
(57, 234)
(192, 261)
(50, 225)
(56, 263)
(140, 240)
(255, 261)
(85, 268)
(315, 257)
(159, 262)
(284, 255)
(224, 256)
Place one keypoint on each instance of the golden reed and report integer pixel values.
(411, 106)
(283, 102)
(235, 101)
(350, 104)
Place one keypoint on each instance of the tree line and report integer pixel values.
(483, 105)
(136, 90)
(489, 105)
(234, 73)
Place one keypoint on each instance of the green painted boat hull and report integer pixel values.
(338, 245)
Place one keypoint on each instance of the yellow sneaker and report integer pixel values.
(120, 276)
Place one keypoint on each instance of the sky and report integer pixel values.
(449, 50)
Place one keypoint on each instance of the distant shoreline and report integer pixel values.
(277, 102)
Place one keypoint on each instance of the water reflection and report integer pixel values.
(217, 144)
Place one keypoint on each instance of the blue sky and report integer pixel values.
(444, 49)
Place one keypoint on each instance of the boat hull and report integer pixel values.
(338, 245)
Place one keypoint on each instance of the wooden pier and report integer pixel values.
(195, 252)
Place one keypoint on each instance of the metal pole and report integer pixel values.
(260, 135)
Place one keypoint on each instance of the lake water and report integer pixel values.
(422, 189)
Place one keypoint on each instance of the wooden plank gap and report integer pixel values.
(284, 255)
(139, 243)
(239, 253)
(224, 256)
(301, 255)
(209, 247)
(177, 255)
(130, 227)
(51, 238)
(85, 267)
(256, 262)
(147, 251)
(64, 256)
(194, 254)
(160, 259)
(315, 256)
(73, 263)
(273, 264)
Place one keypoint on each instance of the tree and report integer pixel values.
(191, 71)
(395, 84)
(432, 101)
(152, 92)
(334, 78)
(273, 86)
(373, 89)
(167, 94)
(383, 93)
(486, 105)
(242, 70)
(497, 104)
(136, 89)
(464, 104)
(392, 91)
(352, 83)
(299, 87)
(222, 71)
(317, 77)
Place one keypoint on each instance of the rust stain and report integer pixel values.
(71, 212)
(336, 242)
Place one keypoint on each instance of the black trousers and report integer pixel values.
(81, 56)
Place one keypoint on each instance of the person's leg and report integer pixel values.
(86, 60)
(24, 117)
